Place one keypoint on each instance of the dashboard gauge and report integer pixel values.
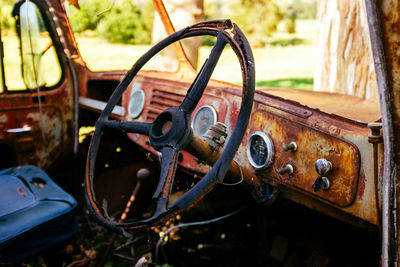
(260, 150)
(136, 103)
(204, 118)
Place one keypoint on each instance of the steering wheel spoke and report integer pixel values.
(198, 86)
(168, 167)
(126, 126)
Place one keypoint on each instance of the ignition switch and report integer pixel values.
(321, 183)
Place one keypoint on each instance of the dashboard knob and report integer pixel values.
(323, 167)
(286, 169)
(321, 183)
(292, 146)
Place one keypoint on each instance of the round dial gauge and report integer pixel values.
(260, 150)
(204, 118)
(136, 103)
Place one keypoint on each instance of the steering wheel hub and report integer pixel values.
(170, 128)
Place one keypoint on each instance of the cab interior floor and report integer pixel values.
(283, 234)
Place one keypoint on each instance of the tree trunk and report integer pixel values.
(183, 13)
(344, 58)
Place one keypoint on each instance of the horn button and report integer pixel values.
(170, 129)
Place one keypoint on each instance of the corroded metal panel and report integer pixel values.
(50, 124)
(312, 145)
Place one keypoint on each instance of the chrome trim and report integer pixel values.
(24, 129)
(100, 105)
(269, 146)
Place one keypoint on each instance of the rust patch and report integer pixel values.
(22, 192)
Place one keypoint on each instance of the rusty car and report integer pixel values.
(306, 177)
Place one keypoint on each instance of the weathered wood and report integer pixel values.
(344, 58)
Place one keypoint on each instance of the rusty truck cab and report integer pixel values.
(324, 151)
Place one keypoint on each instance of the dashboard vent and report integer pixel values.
(161, 100)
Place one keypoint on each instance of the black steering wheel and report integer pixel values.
(171, 131)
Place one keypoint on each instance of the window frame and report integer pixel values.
(42, 6)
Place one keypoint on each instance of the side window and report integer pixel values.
(30, 58)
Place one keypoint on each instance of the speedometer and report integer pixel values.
(260, 150)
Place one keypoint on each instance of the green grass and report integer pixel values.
(287, 60)
(299, 83)
(100, 55)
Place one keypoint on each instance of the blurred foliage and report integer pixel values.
(258, 19)
(6, 20)
(89, 15)
(117, 22)
(297, 9)
(123, 24)
(210, 13)
(300, 9)
(148, 16)
(290, 25)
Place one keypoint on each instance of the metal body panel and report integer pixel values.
(51, 124)
(50, 114)
(383, 22)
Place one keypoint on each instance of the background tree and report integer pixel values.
(344, 58)
(182, 13)
(116, 21)
(124, 24)
(89, 15)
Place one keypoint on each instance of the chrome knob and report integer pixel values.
(292, 146)
(323, 167)
(286, 169)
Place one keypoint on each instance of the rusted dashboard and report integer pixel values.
(296, 165)
(323, 156)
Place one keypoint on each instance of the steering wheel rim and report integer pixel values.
(227, 33)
